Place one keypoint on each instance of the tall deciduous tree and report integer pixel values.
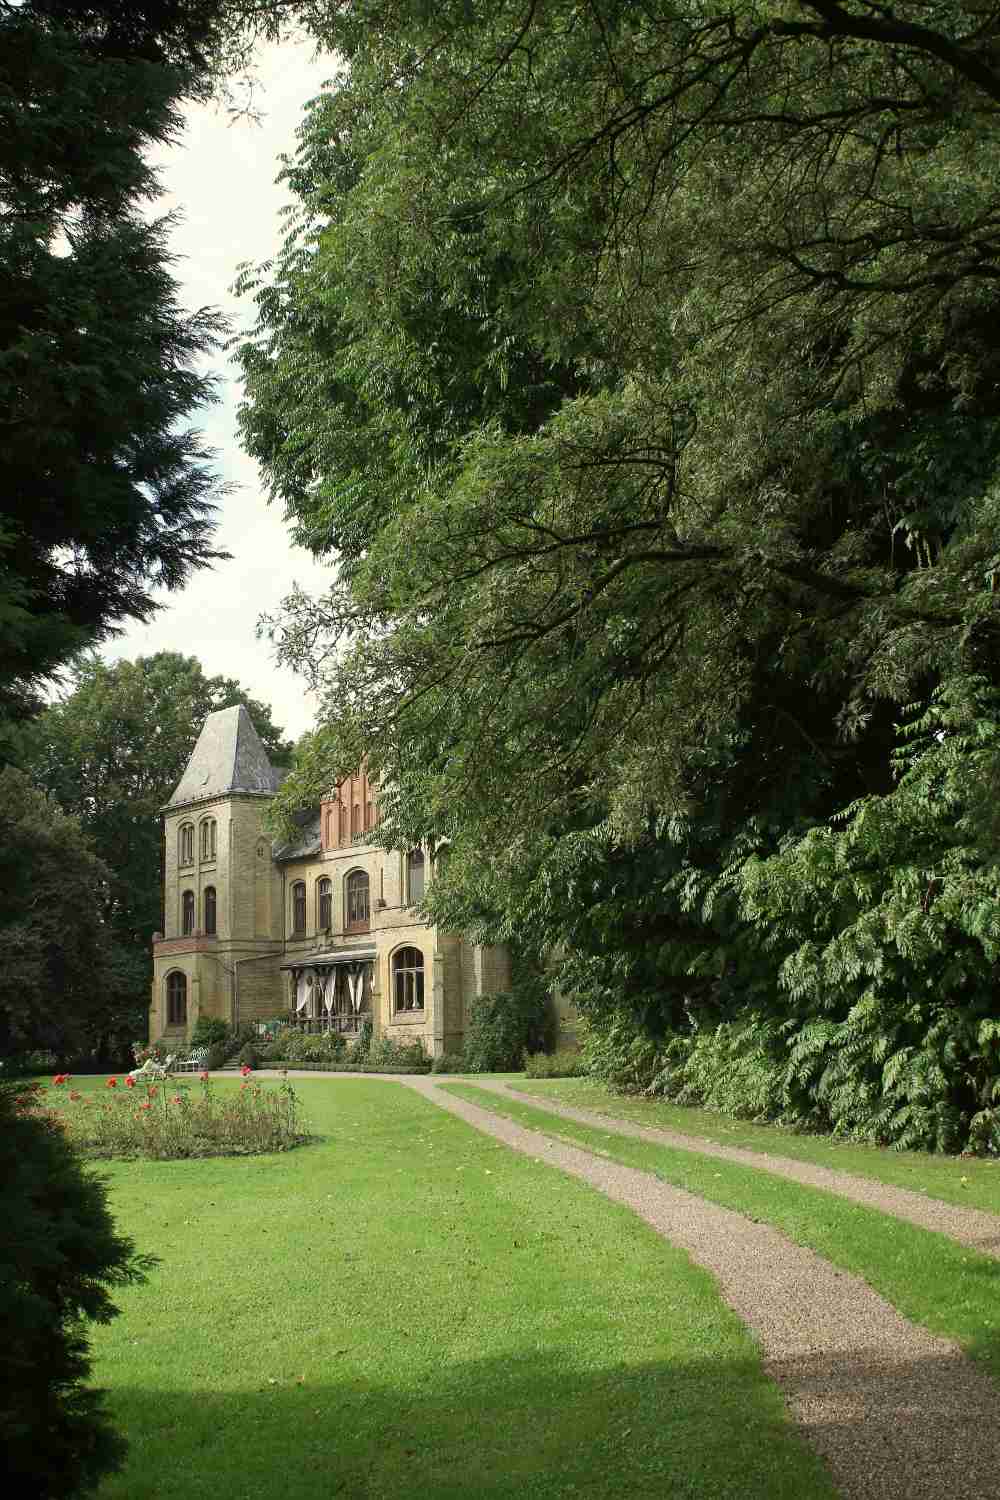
(638, 366)
(110, 753)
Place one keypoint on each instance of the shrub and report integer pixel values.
(294, 1046)
(566, 1063)
(249, 1055)
(143, 1051)
(216, 1055)
(359, 1051)
(209, 1031)
(59, 1256)
(448, 1062)
(384, 1052)
(503, 1027)
(170, 1117)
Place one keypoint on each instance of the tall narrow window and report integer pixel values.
(187, 914)
(299, 908)
(210, 910)
(369, 814)
(176, 999)
(356, 893)
(415, 877)
(208, 836)
(407, 980)
(342, 818)
(355, 820)
(324, 892)
(185, 844)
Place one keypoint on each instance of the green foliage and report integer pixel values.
(655, 434)
(502, 1027)
(209, 1031)
(56, 988)
(294, 1046)
(107, 493)
(567, 1062)
(448, 1062)
(388, 1053)
(60, 1259)
(218, 1053)
(249, 1055)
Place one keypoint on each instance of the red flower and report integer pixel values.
(246, 1070)
(145, 1104)
(61, 1078)
(176, 1099)
(74, 1094)
(130, 1083)
(151, 1093)
(112, 1083)
(203, 1075)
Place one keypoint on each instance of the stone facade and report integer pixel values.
(327, 928)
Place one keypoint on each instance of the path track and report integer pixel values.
(896, 1412)
(970, 1226)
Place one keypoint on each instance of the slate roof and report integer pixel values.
(229, 757)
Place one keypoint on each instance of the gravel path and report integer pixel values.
(897, 1413)
(971, 1226)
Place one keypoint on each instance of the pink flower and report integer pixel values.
(246, 1070)
(112, 1083)
(203, 1075)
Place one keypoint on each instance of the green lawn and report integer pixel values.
(970, 1181)
(932, 1280)
(406, 1307)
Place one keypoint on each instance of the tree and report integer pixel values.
(60, 1258)
(57, 972)
(110, 752)
(108, 492)
(637, 364)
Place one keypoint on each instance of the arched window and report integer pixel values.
(356, 903)
(299, 908)
(408, 980)
(185, 844)
(177, 1005)
(442, 855)
(324, 894)
(208, 838)
(414, 877)
(210, 910)
(187, 914)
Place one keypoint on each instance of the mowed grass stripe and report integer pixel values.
(406, 1307)
(971, 1182)
(930, 1279)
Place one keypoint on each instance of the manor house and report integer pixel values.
(326, 930)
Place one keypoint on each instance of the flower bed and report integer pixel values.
(169, 1117)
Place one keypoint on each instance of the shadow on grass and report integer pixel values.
(529, 1426)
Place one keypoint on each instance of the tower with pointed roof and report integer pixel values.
(221, 945)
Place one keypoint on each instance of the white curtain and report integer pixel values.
(302, 989)
(329, 988)
(355, 983)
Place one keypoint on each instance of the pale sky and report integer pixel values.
(220, 178)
